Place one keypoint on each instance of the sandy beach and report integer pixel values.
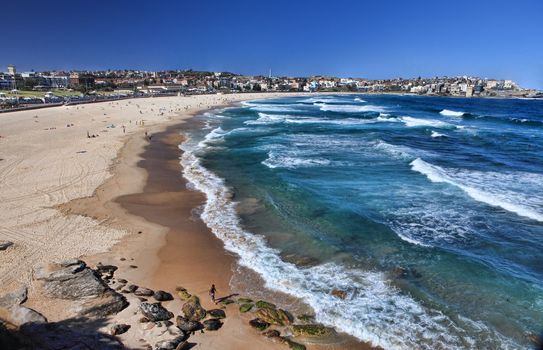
(118, 198)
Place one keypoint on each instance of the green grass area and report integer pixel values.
(31, 93)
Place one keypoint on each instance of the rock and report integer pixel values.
(306, 318)
(245, 300)
(216, 313)
(122, 281)
(162, 296)
(261, 304)
(119, 329)
(293, 345)
(212, 324)
(227, 301)
(186, 325)
(5, 244)
(144, 292)
(107, 304)
(243, 308)
(183, 294)
(271, 333)
(16, 298)
(73, 280)
(144, 320)
(131, 288)
(20, 315)
(155, 312)
(341, 294)
(167, 323)
(171, 344)
(142, 299)
(109, 269)
(133, 266)
(259, 324)
(275, 316)
(183, 346)
(193, 310)
(311, 330)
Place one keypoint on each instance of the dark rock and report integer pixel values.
(243, 308)
(109, 269)
(293, 345)
(161, 295)
(212, 324)
(271, 333)
(144, 320)
(245, 300)
(107, 304)
(131, 288)
(259, 324)
(119, 329)
(311, 330)
(183, 294)
(142, 299)
(167, 323)
(341, 294)
(155, 312)
(278, 317)
(216, 313)
(193, 310)
(144, 292)
(171, 344)
(122, 281)
(133, 266)
(5, 244)
(186, 325)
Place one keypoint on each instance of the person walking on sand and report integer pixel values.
(212, 292)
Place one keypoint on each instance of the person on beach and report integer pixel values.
(212, 292)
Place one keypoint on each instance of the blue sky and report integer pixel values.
(372, 39)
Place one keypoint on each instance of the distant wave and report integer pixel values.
(449, 113)
(374, 310)
(263, 107)
(416, 122)
(270, 119)
(350, 108)
(358, 99)
(437, 134)
(495, 189)
(277, 160)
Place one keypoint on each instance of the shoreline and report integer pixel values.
(143, 176)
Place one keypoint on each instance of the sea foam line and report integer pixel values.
(449, 113)
(374, 311)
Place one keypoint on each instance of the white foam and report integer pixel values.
(417, 122)
(437, 134)
(358, 99)
(278, 160)
(271, 107)
(519, 193)
(373, 311)
(349, 108)
(449, 113)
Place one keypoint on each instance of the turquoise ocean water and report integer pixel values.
(427, 211)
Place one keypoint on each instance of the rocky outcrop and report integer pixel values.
(193, 310)
(311, 330)
(278, 317)
(17, 313)
(259, 324)
(155, 312)
(73, 280)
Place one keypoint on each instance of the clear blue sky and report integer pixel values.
(372, 39)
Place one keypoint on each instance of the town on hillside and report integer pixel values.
(19, 89)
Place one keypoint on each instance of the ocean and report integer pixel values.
(426, 211)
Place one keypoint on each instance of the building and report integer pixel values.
(11, 70)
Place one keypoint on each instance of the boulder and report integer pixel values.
(5, 244)
(293, 345)
(311, 330)
(122, 281)
(170, 344)
(106, 269)
(212, 324)
(119, 329)
(243, 308)
(216, 313)
(193, 310)
(186, 325)
(183, 294)
(271, 333)
(278, 317)
(155, 312)
(131, 288)
(261, 304)
(144, 292)
(162, 296)
(259, 324)
(107, 304)
(71, 280)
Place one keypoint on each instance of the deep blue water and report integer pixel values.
(428, 211)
